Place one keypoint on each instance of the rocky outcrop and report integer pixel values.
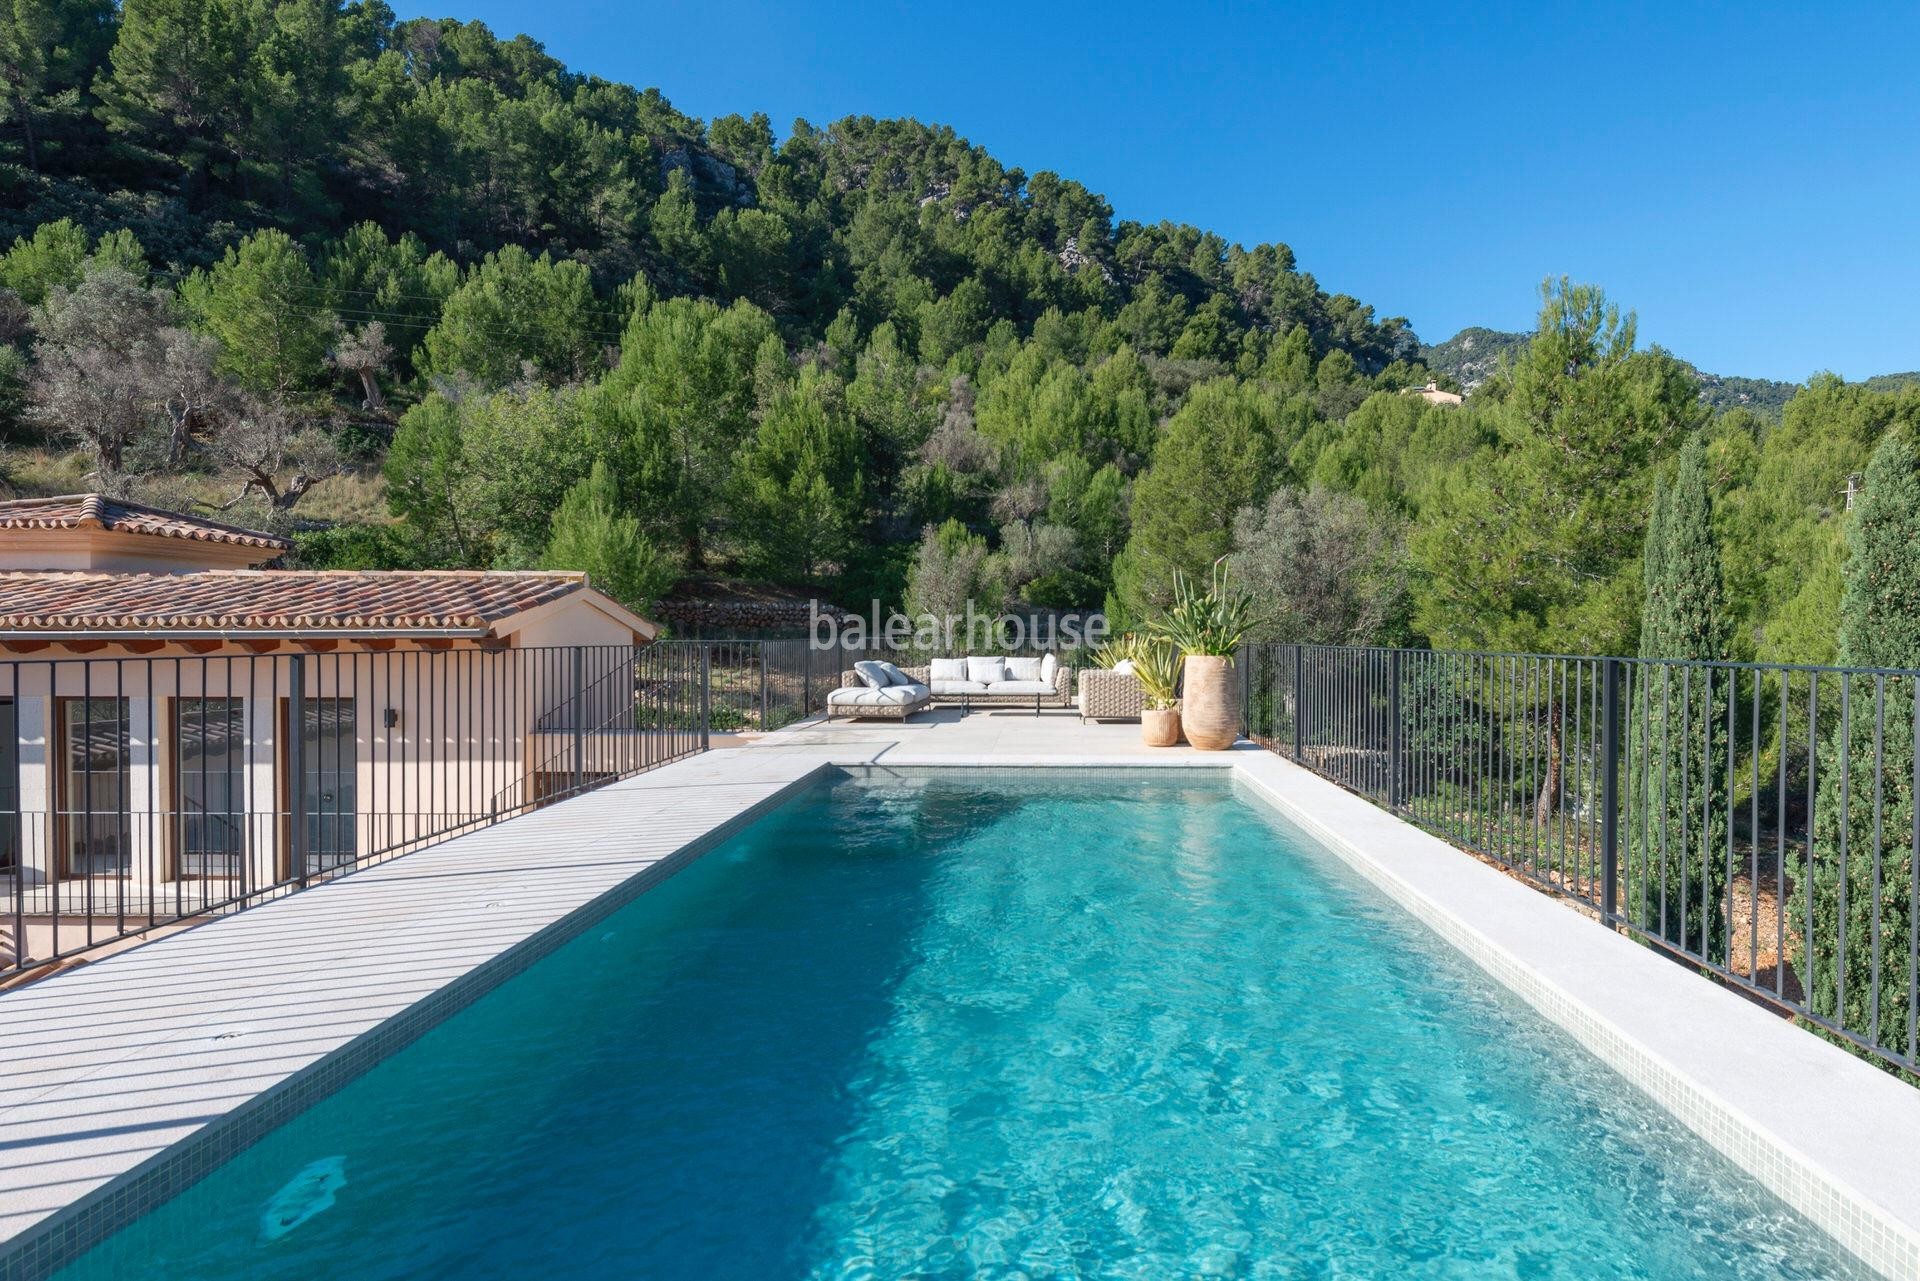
(708, 173)
(1073, 260)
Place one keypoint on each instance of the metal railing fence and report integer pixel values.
(140, 792)
(1754, 820)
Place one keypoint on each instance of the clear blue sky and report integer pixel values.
(1745, 177)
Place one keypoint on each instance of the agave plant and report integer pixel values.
(1121, 648)
(1157, 665)
(1207, 621)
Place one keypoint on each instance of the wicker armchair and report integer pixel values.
(1107, 695)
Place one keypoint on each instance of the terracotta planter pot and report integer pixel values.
(1160, 728)
(1209, 702)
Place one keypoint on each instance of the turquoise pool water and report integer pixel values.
(1035, 1025)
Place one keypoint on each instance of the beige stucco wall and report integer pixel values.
(468, 722)
(105, 551)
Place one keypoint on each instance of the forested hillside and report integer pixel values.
(427, 297)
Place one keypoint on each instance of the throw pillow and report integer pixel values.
(894, 674)
(1023, 669)
(874, 674)
(987, 671)
(1124, 667)
(1049, 668)
(949, 669)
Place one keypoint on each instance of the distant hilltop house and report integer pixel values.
(1433, 395)
(179, 724)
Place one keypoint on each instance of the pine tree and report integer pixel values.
(675, 411)
(1530, 546)
(797, 486)
(1864, 817)
(259, 301)
(1220, 453)
(590, 534)
(1677, 819)
(48, 49)
(177, 83)
(51, 258)
(516, 312)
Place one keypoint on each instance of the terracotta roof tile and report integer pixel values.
(287, 602)
(98, 511)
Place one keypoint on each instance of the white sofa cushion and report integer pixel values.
(1124, 667)
(1019, 687)
(891, 696)
(957, 687)
(986, 670)
(947, 669)
(894, 674)
(1049, 667)
(1024, 669)
(874, 674)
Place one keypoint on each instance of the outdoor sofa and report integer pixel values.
(974, 681)
(877, 690)
(1111, 694)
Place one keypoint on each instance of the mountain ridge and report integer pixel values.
(1473, 355)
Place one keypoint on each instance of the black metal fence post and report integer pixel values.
(1396, 747)
(1246, 690)
(1299, 702)
(579, 720)
(296, 768)
(1610, 794)
(706, 697)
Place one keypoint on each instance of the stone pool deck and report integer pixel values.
(125, 1079)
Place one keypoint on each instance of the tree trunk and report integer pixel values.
(296, 489)
(26, 128)
(1549, 798)
(179, 436)
(375, 401)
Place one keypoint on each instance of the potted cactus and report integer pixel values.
(1206, 624)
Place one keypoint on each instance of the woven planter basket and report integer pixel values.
(1209, 702)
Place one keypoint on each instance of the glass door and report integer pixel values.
(9, 789)
(210, 786)
(93, 786)
(329, 769)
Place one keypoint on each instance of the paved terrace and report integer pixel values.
(206, 1038)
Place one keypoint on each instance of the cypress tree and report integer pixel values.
(1679, 818)
(1653, 564)
(1864, 804)
(1687, 587)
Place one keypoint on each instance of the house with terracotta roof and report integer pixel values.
(1434, 394)
(182, 725)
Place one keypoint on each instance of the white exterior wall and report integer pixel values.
(473, 724)
(456, 755)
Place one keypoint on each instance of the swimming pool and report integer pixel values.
(959, 1023)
